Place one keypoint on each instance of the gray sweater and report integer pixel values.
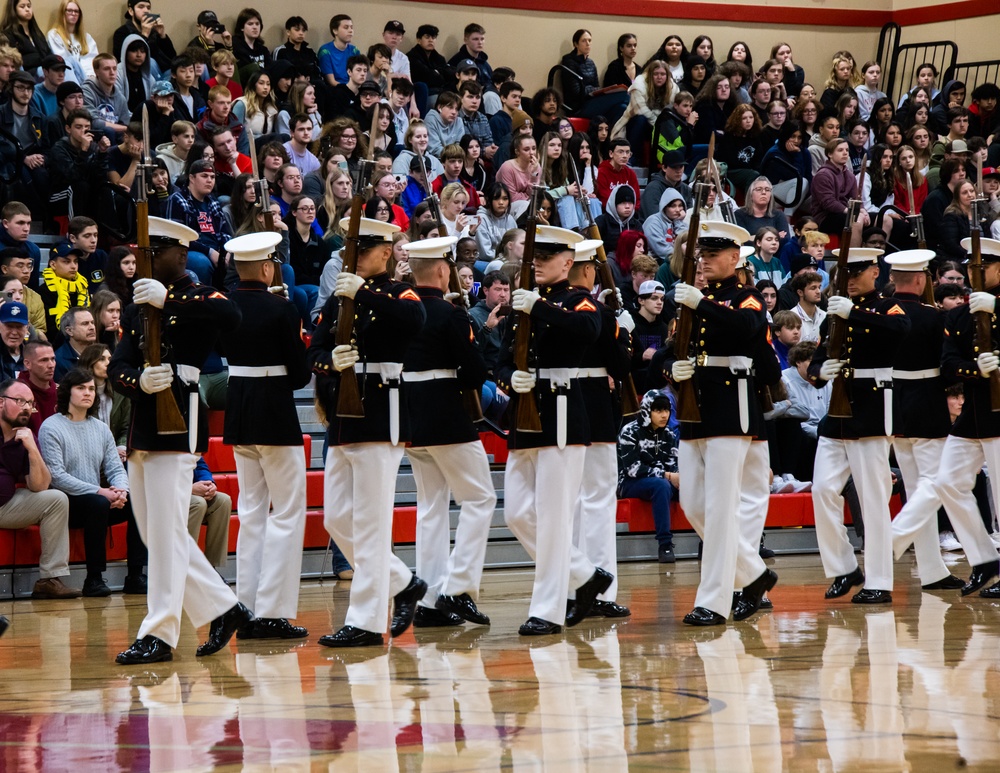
(76, 453)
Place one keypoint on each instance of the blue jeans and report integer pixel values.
(660, 493)
(201, 265)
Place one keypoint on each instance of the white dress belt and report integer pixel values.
(592, 373)
(560, 377)
(387, 370)
(257, 371)
(916, 375)
(733, 363)
(429, 375)
(881, 375)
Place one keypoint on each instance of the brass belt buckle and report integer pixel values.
(702, 360)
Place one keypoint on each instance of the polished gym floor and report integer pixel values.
(811, 686)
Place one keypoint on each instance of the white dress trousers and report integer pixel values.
(755, 498)
(541, 486)
(358, 493)
(462, 470)
(594, 530)
(916, 523)
(269, 546)
(179, 575)
(711, 471)
(867, 459)
(961, 461)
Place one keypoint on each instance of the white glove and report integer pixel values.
(282, 290)
(839, 306)
(149, 291)
(988, 362)
(524, 300)
(344, 357)
(830, 368)
(522, 381)
(982, 302)
(625, 320)
(459, 298)
(347, 284)
(156, 378)
(687, 295)
(682, 370)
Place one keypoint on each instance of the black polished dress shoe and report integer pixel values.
(349, 636)
(752, 594)
(872, 596)
(271, 628)
(535, 626)
(136, 584)
(404, 605)
(96, 588)
(842, 585)
(587, 594)
(951, 582)
(148, 649)
(981, 574)
(428, 617)
(4, 625)
(222, 629)
(609, 609)
(765, 603)
(702, 616)
(463, 606)
(992, 592)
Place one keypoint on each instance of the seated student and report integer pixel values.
(224, 67)
(69, 97)
(92, 261)
(805, 400)
(296, 51)
(13, 335)
(219, 115)
(616, 171)
(619, 215)
(44, 99)
(453, 160)
(62, 288)
(344, 99)
(444, 125)
(135, 76)
(673, 130)
(952, 96)
(474, 40)
(39, 361)
(198, 209)
(15, 262)
(764, 260)
(174, 153)
(78, 165)
(80, 452)
(650, 332)
(833, 186)
(213, 509)
(301, 127)
(476, 123)
(807, 285)
(663, 227)
(333, 57)
(647, 465)
(787, 330)
(189, 104)
(643, 269)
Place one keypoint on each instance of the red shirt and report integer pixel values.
(45, 401)
(243, 163)
(234, 88)
(607, 177)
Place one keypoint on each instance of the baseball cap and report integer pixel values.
(958, 146)
(990, 171)
(14, 312)
(162, 89)
(54, 62)
(466, 65)
(207, 18)
(673, 158)
(802, 261)
(394, 26)
(649, 287)
(370, 86)
(199, 166)
(65, 248)
(20, 76)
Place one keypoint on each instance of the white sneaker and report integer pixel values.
(802, 486)
(949, 542)
(781, 486)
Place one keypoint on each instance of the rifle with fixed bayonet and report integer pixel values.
(977, 281)
(917, 225)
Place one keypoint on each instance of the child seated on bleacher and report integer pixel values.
(647, 464)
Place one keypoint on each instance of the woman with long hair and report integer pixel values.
(337, 194)
(494, 220)
(624, 69)
(599, 132)
(773, 72)
(649, 95)
(714, 104)
(847, 111)
(920, 95)
(674, 53)
(416, 139)
(806, 112)
(879, 120)
(119, 274)
(955, 225)
(473, 171)
(301, 100)
(257, 109)
(314, 183)
(740, 52)
(343, 133)
(107, 309)
(25, 35)
(695, 74)
(385, 129)
(704, 48)
(72, 42)
(737, 147)
(919, 138)
(777, 116)
(906, 164)
(880, 186)
(95, 360)
(630, 243)
(794, 77)
(571, 212)
(841, 79)
(583, 95)
(242, 199)
(248, 43)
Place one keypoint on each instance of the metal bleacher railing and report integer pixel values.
(900, 61)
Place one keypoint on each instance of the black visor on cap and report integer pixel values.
(716, 243)
(858, 268)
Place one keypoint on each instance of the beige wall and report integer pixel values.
(976, 38)
(529, 42)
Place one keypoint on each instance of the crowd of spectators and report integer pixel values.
(622, 148)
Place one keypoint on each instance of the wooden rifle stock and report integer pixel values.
(470, 399)
(983, 319)
(169, 419)
(527, 418)
(630, 400)
(349, 403)
(263, 201)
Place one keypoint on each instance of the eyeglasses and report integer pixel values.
(23, 87)
(348, 136)
(21, 402)
(778, 112)
(306, 209)
(760, 190)
(293, 177)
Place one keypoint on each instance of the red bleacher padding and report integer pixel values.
(495, 445)
(221, 458)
